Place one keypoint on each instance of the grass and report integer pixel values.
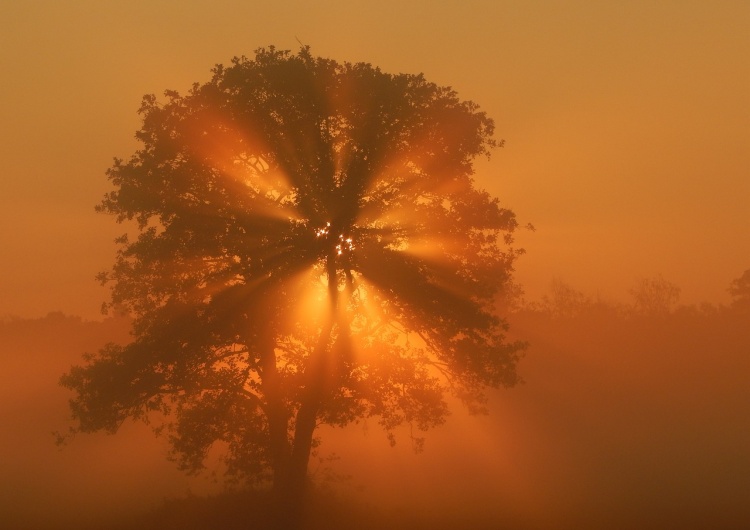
(252, 510)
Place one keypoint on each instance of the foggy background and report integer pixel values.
(625, 420)
(626, 128)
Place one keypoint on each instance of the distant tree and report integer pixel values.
(564, 301)
(654, 296)
(311, 249)
(739, 289)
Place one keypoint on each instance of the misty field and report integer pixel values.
(624, 419)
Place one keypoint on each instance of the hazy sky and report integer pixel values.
(627, 123)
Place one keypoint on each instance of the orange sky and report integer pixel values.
(627, 124)
(627, 127)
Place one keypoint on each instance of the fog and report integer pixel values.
(94, 476)
(626, 137)
(624, 420)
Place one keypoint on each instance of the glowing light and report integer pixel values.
(344, 244)
(323, 231)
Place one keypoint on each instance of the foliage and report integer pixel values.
(310, 249)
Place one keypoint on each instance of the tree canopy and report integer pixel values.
(309, 248)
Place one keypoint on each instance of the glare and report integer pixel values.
(344, 244)
(323, 231)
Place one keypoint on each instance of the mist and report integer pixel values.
(626, 132)
(92, 478)
(625, 419)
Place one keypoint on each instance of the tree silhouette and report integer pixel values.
(654, 296)
(739, 289)
(311, 249)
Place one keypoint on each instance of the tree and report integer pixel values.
(564, 300)
(739, 289)
(654, 296)
(310, 249)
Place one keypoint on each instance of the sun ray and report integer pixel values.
(259, 187)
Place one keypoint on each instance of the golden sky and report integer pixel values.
(626, 124)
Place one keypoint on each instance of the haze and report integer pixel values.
(626, 128)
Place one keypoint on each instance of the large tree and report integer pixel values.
(307, 247)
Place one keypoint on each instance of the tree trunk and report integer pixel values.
(290, 492)
(290, 480)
